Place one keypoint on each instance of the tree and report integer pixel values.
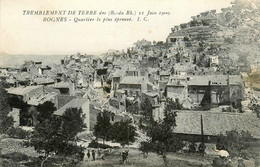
(147, 110)
(6, 121)
(256, 109)
(133, 108)
(15, 102)
(174, 105)
(129, 53)
(73, 123)
(58, 134)
(45, 111)
(24, 113)
(162, 139)
(47, 137)
(4, 83)
(101, 129)
(123, 132)
(247, 9)
(234, 142)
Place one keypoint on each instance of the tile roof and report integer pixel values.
(177, 81)
(215, 80)
(42, 98)
(216, 123)
(132, 80)
(165, 73)
(151, 94)
(120, 91)
(116, 73)
(61, 85)
(22, 90)
(75, 103)
(182, 67)
(43, 80)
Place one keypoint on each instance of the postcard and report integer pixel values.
(130, 83)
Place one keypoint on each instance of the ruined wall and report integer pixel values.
(175, 92)
(33, 93)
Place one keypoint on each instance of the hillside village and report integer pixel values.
(209, 66)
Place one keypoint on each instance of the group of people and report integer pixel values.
(93, 155)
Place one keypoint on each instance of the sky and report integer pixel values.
(27, 34)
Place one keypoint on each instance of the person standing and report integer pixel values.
(124, 157)
(93, 155)
(88, 154)
(81, 156)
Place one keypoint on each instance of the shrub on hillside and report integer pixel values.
(235, 143)
(15, 156)
(95, 144)
(18, 133)
(9, 163)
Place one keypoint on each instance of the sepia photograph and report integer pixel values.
(140, 83)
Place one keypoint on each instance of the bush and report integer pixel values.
(9, 163)
(134, 109)
(116, 147)
(95, 144)
(235, 142)
(16, 156)
(245, 154)
(146, 147)
(192, 147)
(18, 133)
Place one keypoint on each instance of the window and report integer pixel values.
(130, 93)
(186, 39)
(173, 39)
(113, 118)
